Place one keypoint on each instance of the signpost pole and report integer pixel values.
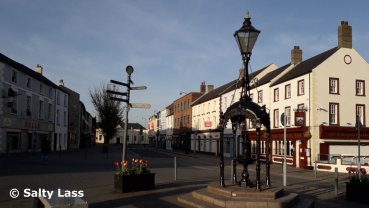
(284, 123)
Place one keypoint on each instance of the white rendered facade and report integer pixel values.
(60, 141)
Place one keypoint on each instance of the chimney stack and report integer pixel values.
(210, 88)
(61, 83)
(344, 35)
(202, 87)
(39, 69)
(296, 55)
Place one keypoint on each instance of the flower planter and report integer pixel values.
(137, 182)
(357, 192)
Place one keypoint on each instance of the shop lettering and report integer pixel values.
(31, 125)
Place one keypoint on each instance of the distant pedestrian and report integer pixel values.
(45, 148)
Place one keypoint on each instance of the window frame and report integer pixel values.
(288, 115)
(287, 92)
(299, 91)
(14, 76)
(363, 120)
(337, 113)
(363, 87)
(276, 94)
(276, 118)
(260, 96)
(29, 83)
(337, 87)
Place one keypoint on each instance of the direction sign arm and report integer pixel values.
(117, 93)
(119, 83)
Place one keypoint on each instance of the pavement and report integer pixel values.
(91, 171)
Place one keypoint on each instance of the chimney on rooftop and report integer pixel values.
(344, 35)
(210, 88)
(202, 87)
(39, 69)
(296, 55)
(61, 83)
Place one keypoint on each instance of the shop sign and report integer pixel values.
(207, 123)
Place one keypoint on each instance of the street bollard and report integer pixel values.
(234, 166)
(315, 169)
(232, 171)
(175, 168)
(336, 181)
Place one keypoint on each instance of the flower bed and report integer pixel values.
(357, 187)
(133, 177)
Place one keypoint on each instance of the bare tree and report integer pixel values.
(109, 112)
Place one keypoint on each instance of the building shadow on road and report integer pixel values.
(164, 195)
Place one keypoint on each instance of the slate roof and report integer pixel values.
(213, 94)
(268, 77)
(224, 88)
(26, 70)
(135, 126)
(306, 66)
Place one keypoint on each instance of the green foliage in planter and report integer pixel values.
(355, 179)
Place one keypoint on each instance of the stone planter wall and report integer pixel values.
(357, 192)
(131, 183)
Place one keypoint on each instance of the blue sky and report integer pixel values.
(173, 45)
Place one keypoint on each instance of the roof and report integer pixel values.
(306, 66)
(212, 94)
(26, 70)
(268, 77)
(224, 89)
(135, 126)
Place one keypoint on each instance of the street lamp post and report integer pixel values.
(246, 38)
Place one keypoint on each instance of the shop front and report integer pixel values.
(23, 135)
(298, 152)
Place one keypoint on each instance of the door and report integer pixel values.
(303, 158)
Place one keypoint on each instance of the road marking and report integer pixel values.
(203, 168)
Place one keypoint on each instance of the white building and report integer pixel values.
(169, 127)
(136, 134)
(321, 97)
(205, 114)
(60, 141)
(27, 104)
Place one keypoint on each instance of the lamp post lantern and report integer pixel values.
(246, 38)
(244, 109)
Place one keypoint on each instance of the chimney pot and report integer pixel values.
(296, 55)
